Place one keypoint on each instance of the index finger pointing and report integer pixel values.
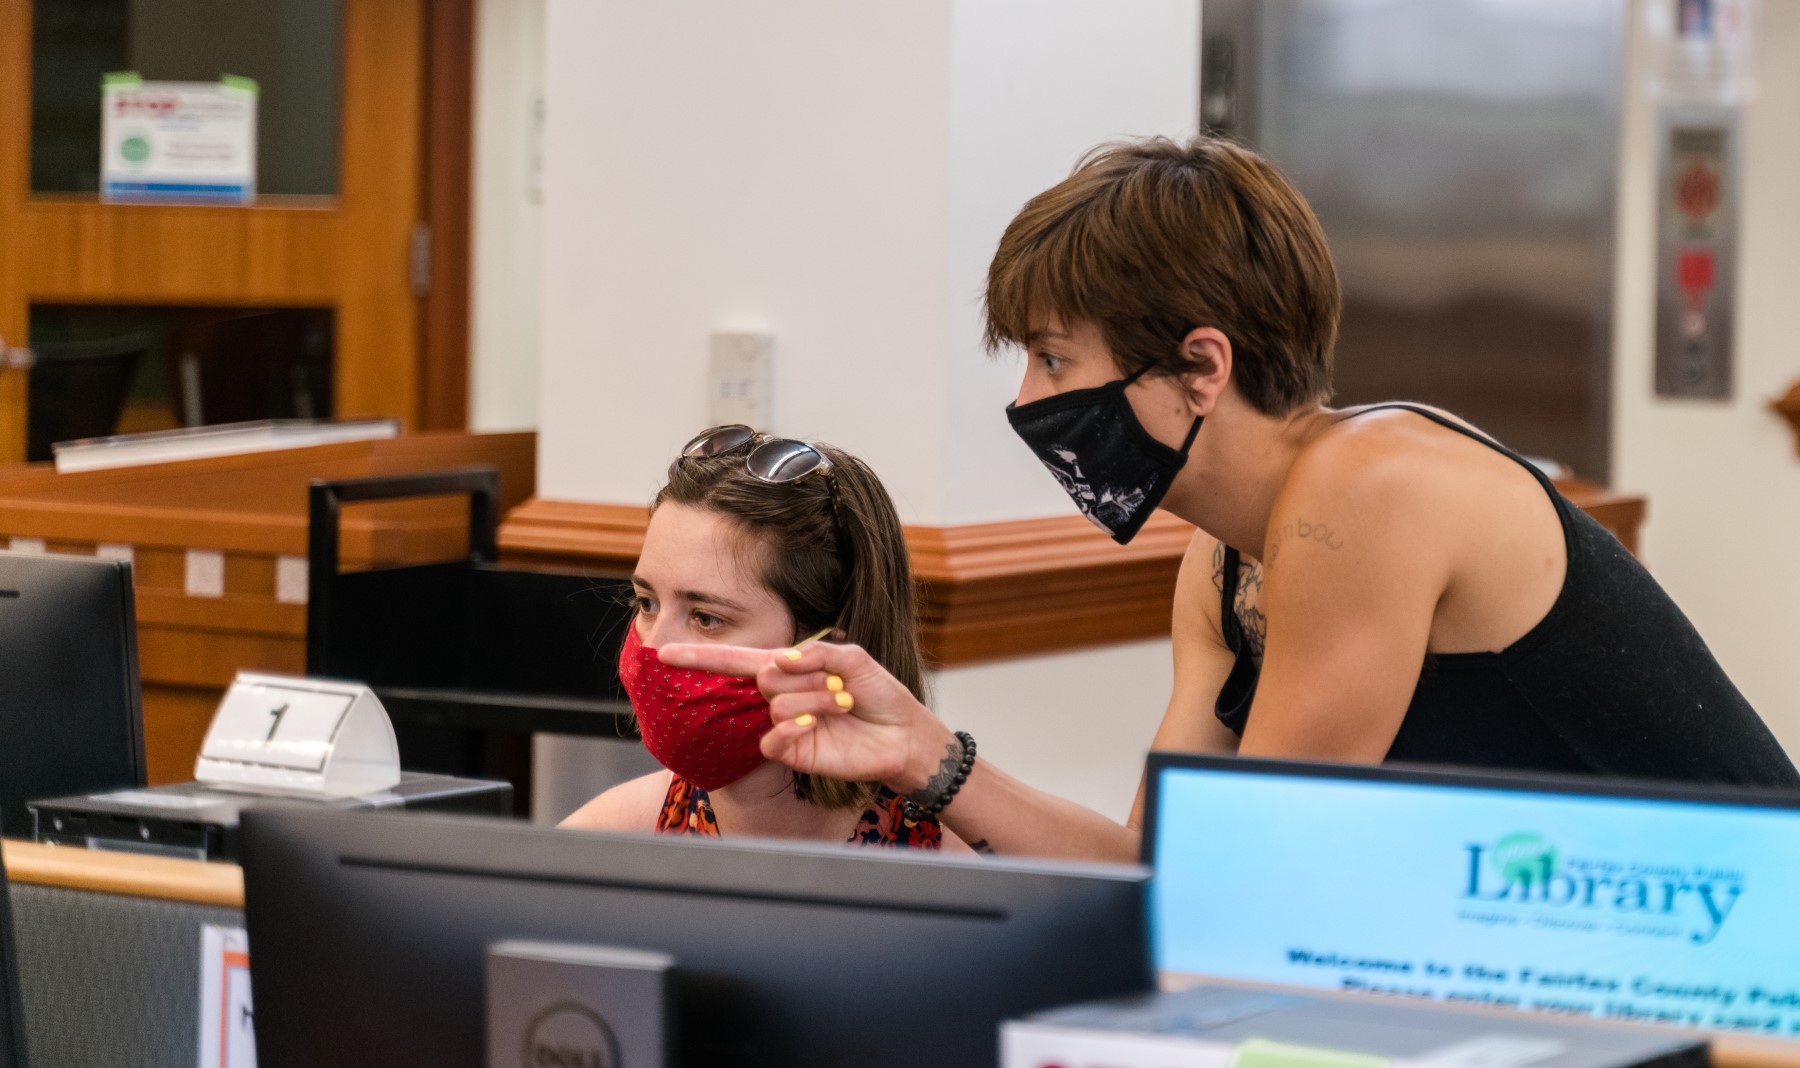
(736, 660)
(837, 658)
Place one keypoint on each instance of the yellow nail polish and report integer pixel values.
(834, 683)
(845, 701)
(805, 719)
(792, 654)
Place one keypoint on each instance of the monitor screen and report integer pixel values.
(369, 935)
(70, 715)
(1574, 896)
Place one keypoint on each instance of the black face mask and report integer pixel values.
(1091, 440)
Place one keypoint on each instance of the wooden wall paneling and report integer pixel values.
(283, 251)
(211, 657)
(449, 129)
(175, 722)
(378, 330)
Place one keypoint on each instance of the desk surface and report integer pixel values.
(194, 881)
(205, 883)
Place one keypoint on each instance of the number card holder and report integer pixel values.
(314, 737)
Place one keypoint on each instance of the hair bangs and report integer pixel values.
(1039, 280)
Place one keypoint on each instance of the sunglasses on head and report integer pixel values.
(773, 460)
(776, 461)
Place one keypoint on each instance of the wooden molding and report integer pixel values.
(193, 881)
(568, 535)
(1788, 407)
(987, 590)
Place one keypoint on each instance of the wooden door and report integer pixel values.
(351, 252)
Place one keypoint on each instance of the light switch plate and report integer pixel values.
(740, 379)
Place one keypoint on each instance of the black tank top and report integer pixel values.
(1613, 680)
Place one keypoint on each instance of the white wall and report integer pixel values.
(508, 239)
(1034, 84)
(771, 166)
(838, 175)
(1722, 477)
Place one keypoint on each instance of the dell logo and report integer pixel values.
(568, 1035)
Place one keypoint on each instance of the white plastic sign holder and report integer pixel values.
(310, 737)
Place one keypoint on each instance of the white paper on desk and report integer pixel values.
(227, 1034)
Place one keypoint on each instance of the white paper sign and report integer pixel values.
(227, 1024)
(177, 141)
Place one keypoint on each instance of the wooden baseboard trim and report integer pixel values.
(987, 590)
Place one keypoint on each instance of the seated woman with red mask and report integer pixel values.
(760, 542)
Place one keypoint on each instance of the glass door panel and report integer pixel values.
(290, 47)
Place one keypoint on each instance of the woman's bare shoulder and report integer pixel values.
(629, 806)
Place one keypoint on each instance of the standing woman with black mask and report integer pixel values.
(1369, 584)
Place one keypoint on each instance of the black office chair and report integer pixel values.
(469, 658)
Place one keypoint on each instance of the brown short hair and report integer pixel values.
(841, 564)
(1150, 239)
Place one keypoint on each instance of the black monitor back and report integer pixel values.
(12, 1024)
(371, 933)
(71, 719)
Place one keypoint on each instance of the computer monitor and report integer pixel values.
(12, 1024)
(71, 720)
(368, 935)
(1581, 896)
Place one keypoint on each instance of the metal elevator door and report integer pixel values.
(1462, 157)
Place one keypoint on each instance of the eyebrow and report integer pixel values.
(696, 596)
(1045, 334)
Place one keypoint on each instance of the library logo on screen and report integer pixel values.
(1523, 879)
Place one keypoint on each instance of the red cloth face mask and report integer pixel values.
(704, 727)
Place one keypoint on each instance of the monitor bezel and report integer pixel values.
(1161, 761)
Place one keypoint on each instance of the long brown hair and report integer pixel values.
(839, 563)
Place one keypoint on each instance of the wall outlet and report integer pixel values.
(740, 382)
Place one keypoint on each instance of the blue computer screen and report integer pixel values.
(1674, 911)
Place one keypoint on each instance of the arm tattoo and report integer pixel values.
(1249, 610)
(981, 846)
(1302, 529)
(946, 774)
(1245, 605)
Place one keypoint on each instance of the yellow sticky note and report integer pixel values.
(1264, 1053)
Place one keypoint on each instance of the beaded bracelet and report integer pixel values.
(942, 801)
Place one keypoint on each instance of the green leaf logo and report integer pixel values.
(1524, 857)
(135, 149)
